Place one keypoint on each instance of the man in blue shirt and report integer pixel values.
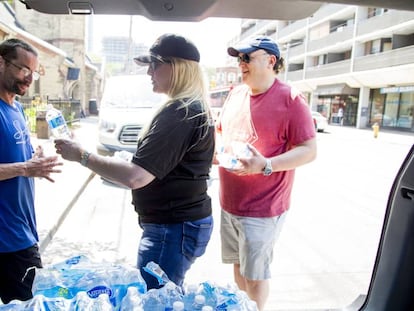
(19, 164)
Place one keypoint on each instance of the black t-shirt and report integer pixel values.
(178, 150)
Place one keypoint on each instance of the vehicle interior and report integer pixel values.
(392, 282)
(188, 10)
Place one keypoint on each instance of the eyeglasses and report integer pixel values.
(26, 71)
(246, 58)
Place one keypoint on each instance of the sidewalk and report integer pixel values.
(53, 201)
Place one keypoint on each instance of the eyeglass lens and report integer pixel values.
(26, 71)
(35, 75)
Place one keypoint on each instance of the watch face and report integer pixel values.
(268, 168)
(84, 158)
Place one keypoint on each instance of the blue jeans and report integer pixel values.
(174, 247)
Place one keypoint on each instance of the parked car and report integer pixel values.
(127, 104)
(392, 280)
(320, 122)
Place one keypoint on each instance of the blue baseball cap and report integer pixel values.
(258, 43)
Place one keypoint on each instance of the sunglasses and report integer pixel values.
(155, 64)
(246, 58)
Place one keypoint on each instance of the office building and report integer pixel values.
(353, 59)
(119, 51)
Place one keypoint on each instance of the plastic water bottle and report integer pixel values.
(102, 303)
(251, 305)
(155, 270)
(81, 302)
(152, 301)
(178, 306)
(190, 293)
(12, 305)
(36, 303)
(235, 300)
(169, 294)
(210, 291)
(57, 123)
(132, 300)
(241, 149)
(42, 303)
(55, 303)
(207, 308)
(199, 303)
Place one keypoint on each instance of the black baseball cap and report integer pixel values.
(170, 45)
(258, 43)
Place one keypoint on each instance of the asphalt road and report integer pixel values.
(325, 254)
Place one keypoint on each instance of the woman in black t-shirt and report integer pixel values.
(168, 173)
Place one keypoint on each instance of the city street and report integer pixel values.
(325, 254)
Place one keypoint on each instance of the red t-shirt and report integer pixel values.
(272, 122)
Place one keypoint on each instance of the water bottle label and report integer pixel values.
(74, 260)
(96, 291)
(56, 122)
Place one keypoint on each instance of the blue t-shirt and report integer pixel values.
(17, 214)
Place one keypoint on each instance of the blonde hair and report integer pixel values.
(187, 86)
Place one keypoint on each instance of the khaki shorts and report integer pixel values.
(249, 241)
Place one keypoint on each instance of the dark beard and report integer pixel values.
(15, 88)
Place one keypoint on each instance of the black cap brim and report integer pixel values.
(144, 60)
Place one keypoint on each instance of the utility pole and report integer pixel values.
(128, 59)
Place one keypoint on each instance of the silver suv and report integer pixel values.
(127, 104)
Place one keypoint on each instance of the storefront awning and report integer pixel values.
(335, 89)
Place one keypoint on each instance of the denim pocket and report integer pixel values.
(196, 235)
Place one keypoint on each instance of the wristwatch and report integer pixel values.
(267, 170)
(84, 158)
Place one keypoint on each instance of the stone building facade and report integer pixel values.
(67, 73)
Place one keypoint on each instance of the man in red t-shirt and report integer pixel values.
(265, 131)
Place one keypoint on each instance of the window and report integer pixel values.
(376, 12)
(406, 111)
(391, 109)
(321, 60)
(375, 46)
(377, 107)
